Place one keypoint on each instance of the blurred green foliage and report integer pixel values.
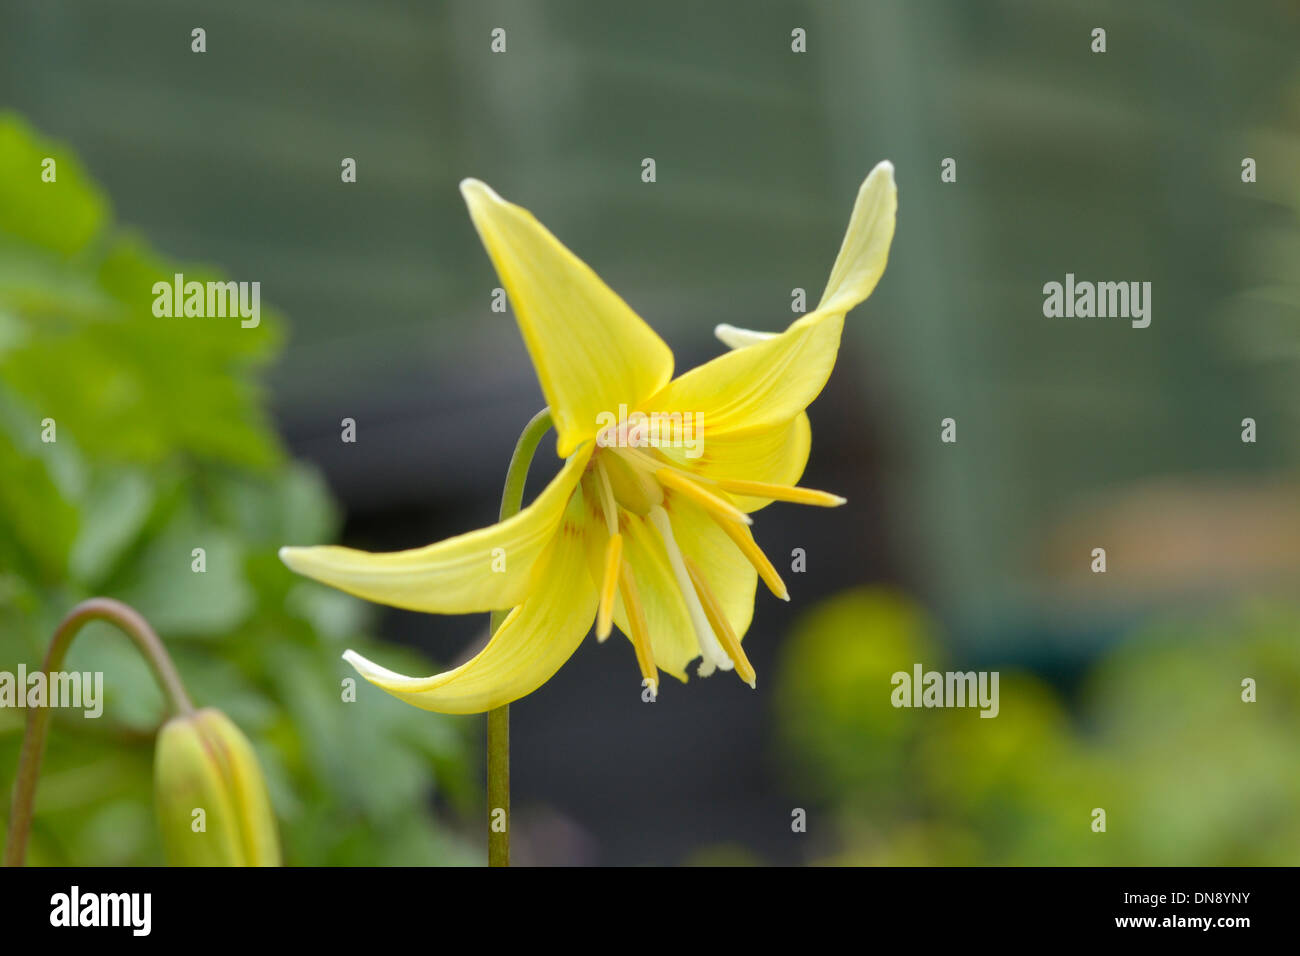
(163, 446)
(1160, 738)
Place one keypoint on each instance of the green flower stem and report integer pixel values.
(498, 721)
(129, 621)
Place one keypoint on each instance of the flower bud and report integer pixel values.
(212, 800)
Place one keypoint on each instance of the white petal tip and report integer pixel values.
(475, 190)
(737, 338)
(883, 170)
(753, 684)
(886, 168)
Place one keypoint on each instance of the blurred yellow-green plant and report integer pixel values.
(1159, 737)
(163, 445)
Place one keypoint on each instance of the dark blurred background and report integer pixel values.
(1072, 433)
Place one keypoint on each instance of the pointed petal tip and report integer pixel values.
(753, 684)
(566, 446)
(882, 170)
(734, 337)
(476, 191)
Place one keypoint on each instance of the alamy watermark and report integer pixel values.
(923, 688)
(210, 300)
(71, 689)
(74, 908)
(1102, 300)
(654, 430)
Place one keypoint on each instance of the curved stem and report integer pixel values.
(129, 621)
(498, 720)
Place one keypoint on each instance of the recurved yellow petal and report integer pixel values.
(591, 351)
(775, 454)
(865, 249)
(767, 380)
(532, 643)
(761, 385)
(482, 570)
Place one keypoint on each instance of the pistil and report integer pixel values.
(714, 655)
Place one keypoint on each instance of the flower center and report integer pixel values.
(638, 480)
(633, 485)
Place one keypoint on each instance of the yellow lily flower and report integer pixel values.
(645, 535)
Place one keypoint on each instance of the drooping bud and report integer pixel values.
(213, 804)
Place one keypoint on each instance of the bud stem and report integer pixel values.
(129, 621)
(498, 720)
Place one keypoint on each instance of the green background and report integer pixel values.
(1072, 433)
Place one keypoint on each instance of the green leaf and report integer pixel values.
(181, 601)
(115, 512)
(63, 216)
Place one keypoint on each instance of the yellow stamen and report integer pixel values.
(711, 503)
(645, 657)
(607, 502)
(653, 465)
(609, 586)
(799, 496)
(721, 626)
(749, 547)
